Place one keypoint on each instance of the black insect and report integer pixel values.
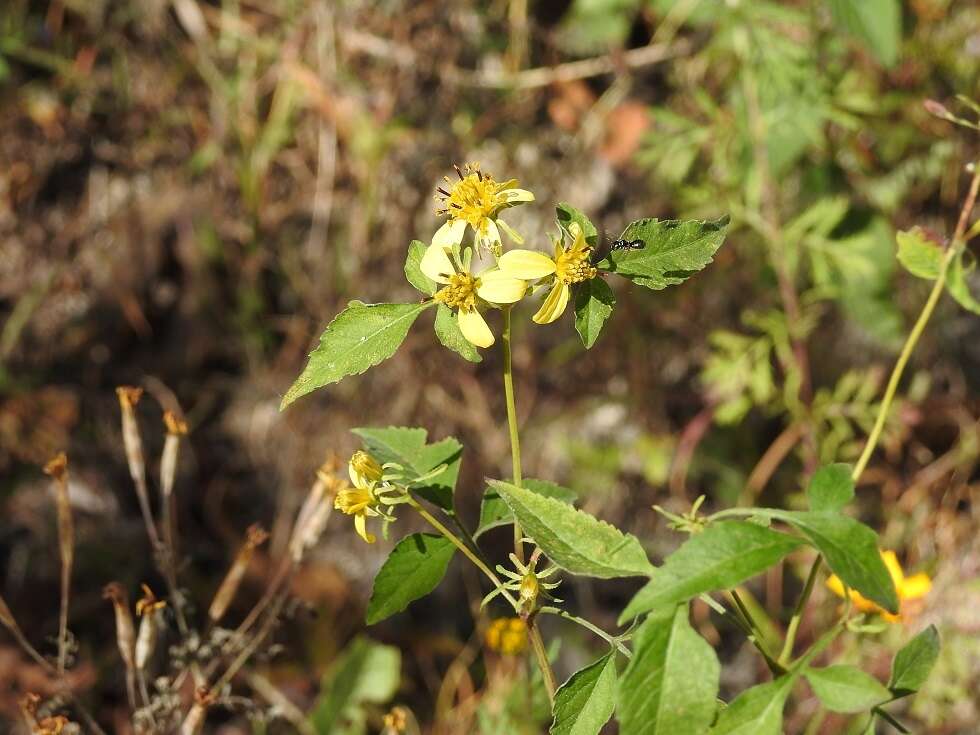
(603, 249)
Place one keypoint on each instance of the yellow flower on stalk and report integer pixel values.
(363, 465)
(361, 502)
(908, 588)
(463, 290)
(477, 200)
(507, 636)
(568, 266)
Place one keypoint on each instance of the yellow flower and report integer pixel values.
(908, 588)
(477, 200)
(463, 287)
(358, 501)
(568, 266)
(365, 466)
(507, 635)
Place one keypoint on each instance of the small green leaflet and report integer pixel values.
(912, 664)
(367, 672)
(408, 448)
(756, 711)
(594, 302)
(957, 284)
(918, 254)
(567, 214)
(845, 688)
(831, 488)
(414, 273)
(413, 569)
(494, 511)
(670, 685)
(572, 539)
(876, 22)
(721, 556)
(672, 251)
(585, 702)
(450, 335)
(358, 338)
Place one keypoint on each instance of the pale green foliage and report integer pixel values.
(756, 711)
(912, 664)
(830, 488)
(366, 673)
(494, 511)
(876, 22)
(585, 702)
(845, 688)
(414, 568)
(918, 254)
(594, 302)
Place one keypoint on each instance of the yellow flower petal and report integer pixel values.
(360, 525)
(894, 568)
(451, 233)
(436, 263)
(474, 328)
(487, 235)
(554, 304)
(578, 242)
(527, 264)
(835, 585)
(918, 585)
(499, 287)
(512, 196)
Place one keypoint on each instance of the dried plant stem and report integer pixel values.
(58, 469)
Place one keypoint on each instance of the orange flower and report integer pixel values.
(908, 588)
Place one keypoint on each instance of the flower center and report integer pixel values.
(460, 293)
(473, 198)
(353, 500)
(573, 266)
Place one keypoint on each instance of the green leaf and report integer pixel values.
(918, 254)
(756, 711)
(851, 551)
(845, 688)
(449, 333)
(585, 702)
(494, 511)
(594, 302)
(568, 214)
(572, 539)
(413, 569)
(876, 22)
(414, 273)
(831, 488)
(358, 338)
(720, 557)
(367, 672)
(957, 285)
(408, 448)
(670, 685)
(913, 662)
(673, 251)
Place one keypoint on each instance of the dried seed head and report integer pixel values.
(395, 721)
(129, 396)
(148, 603)
(125, 633)
(255, 536)
(175, 425)
(57, 466)
(53, 725)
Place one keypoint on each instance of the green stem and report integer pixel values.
(794, 622)
(542, 656)
(467, 552)
(515, 438)
(611, 640)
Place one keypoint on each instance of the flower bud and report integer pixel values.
(364, 465)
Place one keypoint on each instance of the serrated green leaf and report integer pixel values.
(594, 302)
(672, 251)
(414, 273)
(494, 511)
(918, 254)
(572, 539)
(413, 569)
(585, 702)
(845, 688)
(567, 214)
(721, 556)
(367, 672)
(913, 662)
(408, 448)
(756, 711)
(876, 22)
(956, 283)
(831, 488)
(358, 338)
(670, 685)
(450, 335)
(851, 551)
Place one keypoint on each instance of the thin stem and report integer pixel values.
(542, 656)
(794, 622)
(515, 438)
(774, 666)
(467, 552)
(611, 640)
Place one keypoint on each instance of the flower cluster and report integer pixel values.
(908, 588)
(372, 494)
(475, 202)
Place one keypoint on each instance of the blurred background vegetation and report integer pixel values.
(190, 190)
